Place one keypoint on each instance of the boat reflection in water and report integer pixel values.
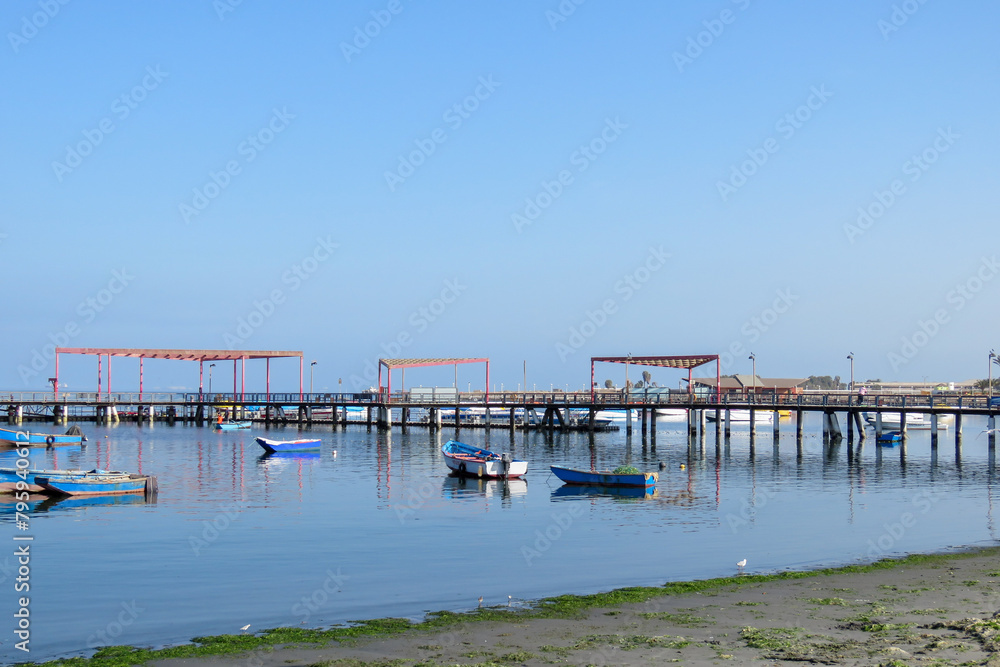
(468, 488)
(572, 491)
(38, 504)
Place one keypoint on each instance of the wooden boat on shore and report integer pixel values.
(231, 425)
(10, 436)
(607, 478)
(97, 483)
(307, 445)
(470, 461)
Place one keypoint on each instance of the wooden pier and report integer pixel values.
(511, 410)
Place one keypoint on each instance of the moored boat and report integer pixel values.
(471, 461)
(9, 478)
(10, 436)
(760, 416)
(914, 420)
(231, 425)
(306, 445)
(608, 478)
(889, 438)
(97, 483)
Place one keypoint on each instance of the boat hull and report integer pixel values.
(604, 477)
(9, 479)
(9, 436)
(231, 426)
(277, 446)
(470, 461)
(90, 484)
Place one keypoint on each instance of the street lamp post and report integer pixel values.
(210, 367)
(753, 358)
(993, 357)
(851, 357)
(312, 366)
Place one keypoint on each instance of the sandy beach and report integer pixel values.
(923, 610)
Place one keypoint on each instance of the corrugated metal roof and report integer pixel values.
(184, 355)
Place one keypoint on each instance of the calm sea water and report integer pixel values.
(373, 526)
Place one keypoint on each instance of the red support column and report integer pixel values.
(487, 383)
(55, 386)
(100, 360)
(234, 385)
(140, 379)
(109, 374)
(591, 381)
(201, 376)
(243, 377)
(267, 381)
(300, 377)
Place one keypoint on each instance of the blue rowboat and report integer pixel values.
(310, 445)
(889, 438)
(97, 483)
(231, 425)
(604, 477)
(9, 436)
(9, 477)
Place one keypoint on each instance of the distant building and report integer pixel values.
(749, 384)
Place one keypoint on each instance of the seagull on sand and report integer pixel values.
(245, 628)
(742, 564)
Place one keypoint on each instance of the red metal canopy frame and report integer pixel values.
(418, 363)
(201, 356)
(690, 362)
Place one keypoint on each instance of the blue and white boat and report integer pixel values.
(10, 436)
(607, 478)
(308, 445)
(231, 425)
(97, 483)
(470, 461)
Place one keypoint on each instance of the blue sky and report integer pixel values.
(534, 182)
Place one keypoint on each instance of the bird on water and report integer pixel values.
(742, 564)
(245, 627)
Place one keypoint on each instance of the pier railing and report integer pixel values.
(601, 398)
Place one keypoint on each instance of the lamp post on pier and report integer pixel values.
(753, 358)
(851, 357)
(210, 367)
(312, 366)
(993, 358)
